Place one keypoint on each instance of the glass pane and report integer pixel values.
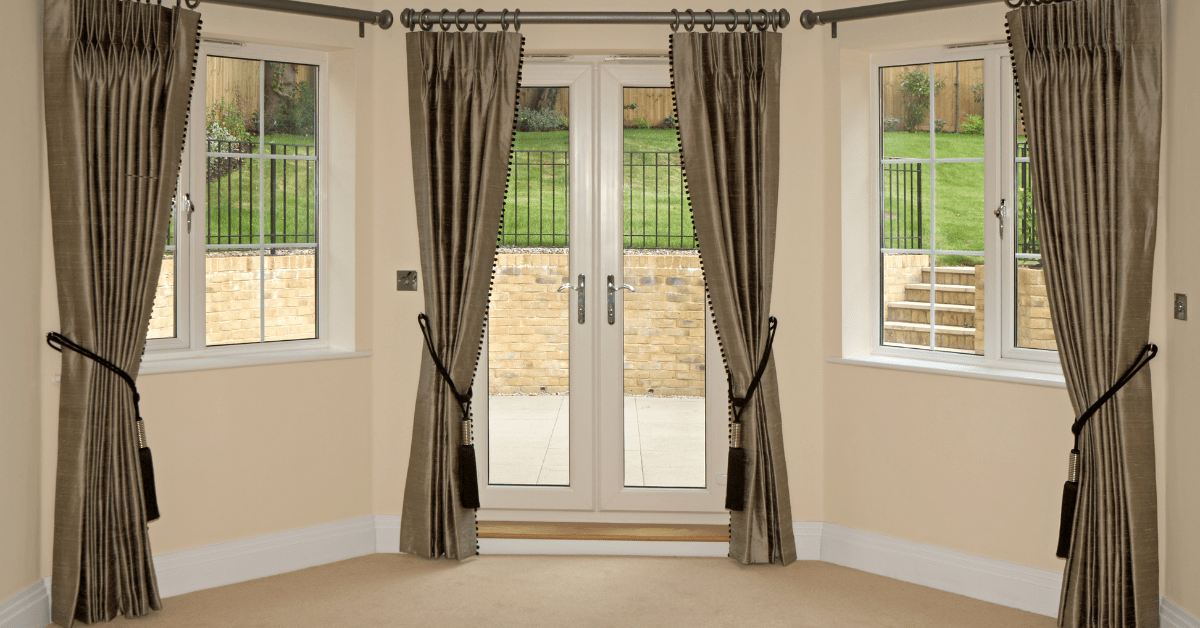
(290, 294)
(905, 205)
(162, 316)
(663, 309)
(529, 319)
(906, 304)
(232, 278)
(231, 105)
(958, 109)
(290, 99)
(904, 95)
(1033, 327)
(960, 206)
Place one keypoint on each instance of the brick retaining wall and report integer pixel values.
(664, 324)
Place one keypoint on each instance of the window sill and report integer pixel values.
(975, 371)
(154, 363)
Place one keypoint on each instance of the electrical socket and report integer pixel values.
(406, 280)
(1181, 306)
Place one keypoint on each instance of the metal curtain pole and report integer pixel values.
(809, 19)
(382, 19)
(689, 19)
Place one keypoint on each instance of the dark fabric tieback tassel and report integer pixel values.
(468, 471)
(1070, 499)
(735, 486)
(57, 342)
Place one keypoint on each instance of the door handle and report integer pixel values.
(581, 289)
(612, 297)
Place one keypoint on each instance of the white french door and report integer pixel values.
(598, 404)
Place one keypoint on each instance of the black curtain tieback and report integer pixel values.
(58, 342)
(735, 486)
(1066, 523)
(468, 480)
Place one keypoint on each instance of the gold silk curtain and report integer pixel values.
(462, 102)
(1089, 77)
(117, 78)
(727, 95)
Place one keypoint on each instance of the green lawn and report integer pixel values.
(233, 203)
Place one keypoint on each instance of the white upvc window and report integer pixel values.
(255, 231)
(941, 260)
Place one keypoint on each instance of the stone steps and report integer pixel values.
(951, 275)
(906, 322)
(917, 312)
(948, 336)
(947, 294)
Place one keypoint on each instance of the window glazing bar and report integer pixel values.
(809, 19)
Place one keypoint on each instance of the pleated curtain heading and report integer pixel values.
(117, 79)
(1090, 86)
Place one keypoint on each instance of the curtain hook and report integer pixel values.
(690, 27)
(457, 16)
(517, 20)
(732, 27)
(675, 26)
(442, 20)
(712, 20)
(479, 26)
(425, 28)
(503, 24)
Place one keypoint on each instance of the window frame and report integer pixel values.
(188, 350)
(862, 330)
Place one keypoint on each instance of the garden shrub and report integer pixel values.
(914, 86)
(973, 125)
(541, 120)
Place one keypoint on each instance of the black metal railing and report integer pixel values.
(903, 211)
(1027, 227)
(656, 214)
(537, 206)
(290, 202)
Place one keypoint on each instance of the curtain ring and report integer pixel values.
(675, 26)
(766, 23)
(457, 16)
(425, 28)
(1009, 4)
(503, 24)
(191, 4)
(442, 20)
(732, 27)
(712, 20)
(517, 20)
(690, 27)
(749, 21)
(479, 26)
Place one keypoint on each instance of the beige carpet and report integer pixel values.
(561, 591)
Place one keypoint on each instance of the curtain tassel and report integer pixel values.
(146, 461)
(735, 489)
(1066, 523)
(468, 472)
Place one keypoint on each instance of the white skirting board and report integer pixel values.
(987, 579)
(1174, 617)
(29, 608)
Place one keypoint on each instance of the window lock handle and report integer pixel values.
(1000, 211)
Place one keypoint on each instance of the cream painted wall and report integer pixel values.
(20, 330)
(986, 478)
(1181, 136)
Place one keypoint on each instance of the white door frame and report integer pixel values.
(597, 393)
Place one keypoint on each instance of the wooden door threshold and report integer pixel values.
(602, 531)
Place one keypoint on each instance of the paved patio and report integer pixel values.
(528, 440)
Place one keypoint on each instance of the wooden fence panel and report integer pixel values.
(954, 102)
(653, 105)
(236, 82)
